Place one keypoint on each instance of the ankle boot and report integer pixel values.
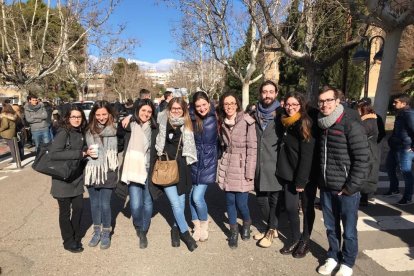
(203, 230)
(106, 238)
(96, 236)
(143, 241)
(175, 237)
(196, 230)
(189, 241)
(302, 249)
(234, 236)
(268, 238)
(245, 234)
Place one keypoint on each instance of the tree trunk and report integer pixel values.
(386, 75)
(245, 94)
(313, 79)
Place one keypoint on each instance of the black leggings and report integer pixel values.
(291, 205)
(267, 202)
(70, 224)
(308, 201)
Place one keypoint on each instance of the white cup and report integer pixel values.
(94, 150)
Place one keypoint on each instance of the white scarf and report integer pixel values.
(136, 159)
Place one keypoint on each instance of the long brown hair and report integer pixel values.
(306, 122)
(187, 120)
(93, 122)
(7, 108)
(365, 108)
(199, 121)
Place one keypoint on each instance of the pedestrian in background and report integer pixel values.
(101, 174)
(69, 195)
(8, 128)
(295, 154)
(176, 139)
(236, 169)
(204, 171)
(38, 118)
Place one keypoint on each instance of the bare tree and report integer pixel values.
(37, 38)
(392, 16)
(223, 29)
(317, 35)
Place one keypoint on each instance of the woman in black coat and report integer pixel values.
(369, 121)
(203, 172)
(295, 151)
(69, 144)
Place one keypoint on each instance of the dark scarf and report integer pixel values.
(266, 114)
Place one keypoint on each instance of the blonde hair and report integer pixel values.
(188, 125)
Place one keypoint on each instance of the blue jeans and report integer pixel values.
(140, 201)
(406, 159)
(234, 201)
(337, 208)
(100, 199)
(41, 137)
(198, 204)
(178, 207)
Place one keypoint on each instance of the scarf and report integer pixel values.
(266, 114)
(326, 122)
(136, 161)
(96, 169)
(287, 121)
(369, 116)
(189, 148)
(230, 122)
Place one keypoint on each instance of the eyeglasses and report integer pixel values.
(327, 101)
(229, 104)
(292, 105)
(176, 109)
(75, 117)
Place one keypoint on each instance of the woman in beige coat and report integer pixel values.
(237, 166)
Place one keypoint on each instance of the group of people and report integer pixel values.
(277, 152)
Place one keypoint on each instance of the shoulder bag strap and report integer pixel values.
(178, 147)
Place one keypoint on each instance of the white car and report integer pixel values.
(86, 107)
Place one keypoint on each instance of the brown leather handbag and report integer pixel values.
(166, 172)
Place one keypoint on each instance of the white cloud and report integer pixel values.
(162, 65)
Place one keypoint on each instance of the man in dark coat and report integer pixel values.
(401, 152)
(167, 97)
(267, 186)
(344, 158)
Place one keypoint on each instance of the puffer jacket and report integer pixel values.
(204, 171)
(238, 162)
(37, 116)
(402, 137)
(344, 155)
(369, 122)
(8, 125)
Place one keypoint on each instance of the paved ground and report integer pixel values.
(30, 242)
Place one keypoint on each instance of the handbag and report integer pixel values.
(66, 170)
(166, 172)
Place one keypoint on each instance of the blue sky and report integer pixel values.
(150, 23)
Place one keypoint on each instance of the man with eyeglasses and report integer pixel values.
(267, 186)
(39, 120)
(401, 145)
(343, 162)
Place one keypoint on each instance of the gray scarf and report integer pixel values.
(325, 122)
(96, 170)
(189, 148)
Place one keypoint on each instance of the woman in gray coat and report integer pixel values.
(237, 166)
(69, 143)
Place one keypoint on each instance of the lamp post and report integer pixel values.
(365, 55)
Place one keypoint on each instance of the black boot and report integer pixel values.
(143, 241)
(189, 241)
(234, 236)
(245, 234)
(175, 237)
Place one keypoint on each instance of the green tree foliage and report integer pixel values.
(407, 80)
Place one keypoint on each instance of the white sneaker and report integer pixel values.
(327, 268)
(344, 271)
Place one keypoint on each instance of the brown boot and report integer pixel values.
(196, 230)
(268, 238)
(203, 230)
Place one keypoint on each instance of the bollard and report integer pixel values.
(17, 152)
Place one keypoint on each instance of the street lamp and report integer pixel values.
(364, 54)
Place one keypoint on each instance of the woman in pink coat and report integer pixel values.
(237, 166)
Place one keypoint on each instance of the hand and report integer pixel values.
(88, 152)
(126, 120)
(344, 192)
(299, 190)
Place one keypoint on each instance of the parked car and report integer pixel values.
(86, 107)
